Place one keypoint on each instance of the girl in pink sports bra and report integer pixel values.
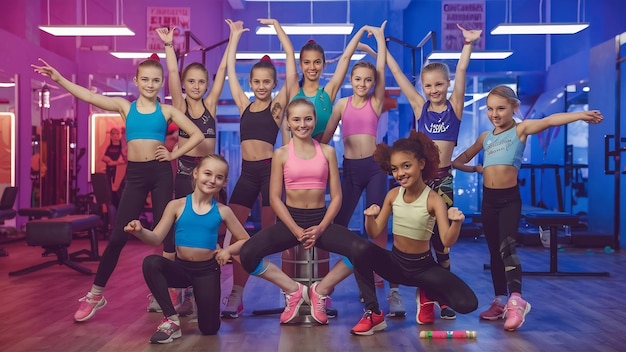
(305, 168)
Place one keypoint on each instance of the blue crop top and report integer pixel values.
(503, 148)
(259, 125)
(145, 126)
(323, 108)
(198, 230)
(439, 126)
(206, 123)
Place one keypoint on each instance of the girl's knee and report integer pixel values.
(151, 262)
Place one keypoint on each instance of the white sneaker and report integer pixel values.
(396, 308)
(153, 305)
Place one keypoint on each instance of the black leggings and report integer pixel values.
(359, 175)
(418, 270)
(277, 238)
(141, 178)
(161, 273)
(501, 213)
(442, 184)
(254, 179)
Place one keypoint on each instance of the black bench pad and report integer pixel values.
(58, 231)
(49, 211)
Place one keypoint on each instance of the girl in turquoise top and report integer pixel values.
(502, 204)
(149, 168)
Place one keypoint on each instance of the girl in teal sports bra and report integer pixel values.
(149, 168)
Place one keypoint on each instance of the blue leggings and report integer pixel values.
(161, 273)
(141, 178)
(418, 270)
(278, 237)
(359, 175)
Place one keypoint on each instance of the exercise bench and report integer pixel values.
(554, 221)
(55, 236)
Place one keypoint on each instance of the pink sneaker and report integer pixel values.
(318, 305)
(369, 323)
(166, 332)
(88, 306)
(293, 301)
(425, 308)
(495, 311)
(515, 312)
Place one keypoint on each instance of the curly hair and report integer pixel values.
(418, 144)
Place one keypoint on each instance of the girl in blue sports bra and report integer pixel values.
(502, 204)
(196, 219)
(312, 64)
(202, 112)
(149, 168)
(416, 209)
(259, 126)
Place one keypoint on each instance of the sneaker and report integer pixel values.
(88, 306)
(293, 301)
(167, 331)
(330, 311)
(318, 305)
(396, 308)
(186, 308)
(495, 311)
(233, 306)
(447, 313)
(153, 305)
(515, 312)
(369, 323)
(425, 308)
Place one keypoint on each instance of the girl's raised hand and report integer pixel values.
(592, 116)
(236, 27)
(470, 35)
(267, 21)
(166, 34)
(454, 214)
(46, 70)
(133, 227)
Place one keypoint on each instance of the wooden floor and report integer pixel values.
(568, 314)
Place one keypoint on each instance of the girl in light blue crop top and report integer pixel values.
(196, 219)
(149, 169)
(502, 204)
(412, 161)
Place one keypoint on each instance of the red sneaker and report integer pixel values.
(425, 308)
(369, 323)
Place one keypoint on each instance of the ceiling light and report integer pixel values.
(476, 55)
(539, 28)
(7, 84)
(135, 54)
(309, 29)
(282, 56)
(87, 30)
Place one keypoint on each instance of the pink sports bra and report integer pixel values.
(305, 173)
(359, 120)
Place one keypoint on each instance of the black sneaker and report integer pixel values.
(167, 331)
(447, 313)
